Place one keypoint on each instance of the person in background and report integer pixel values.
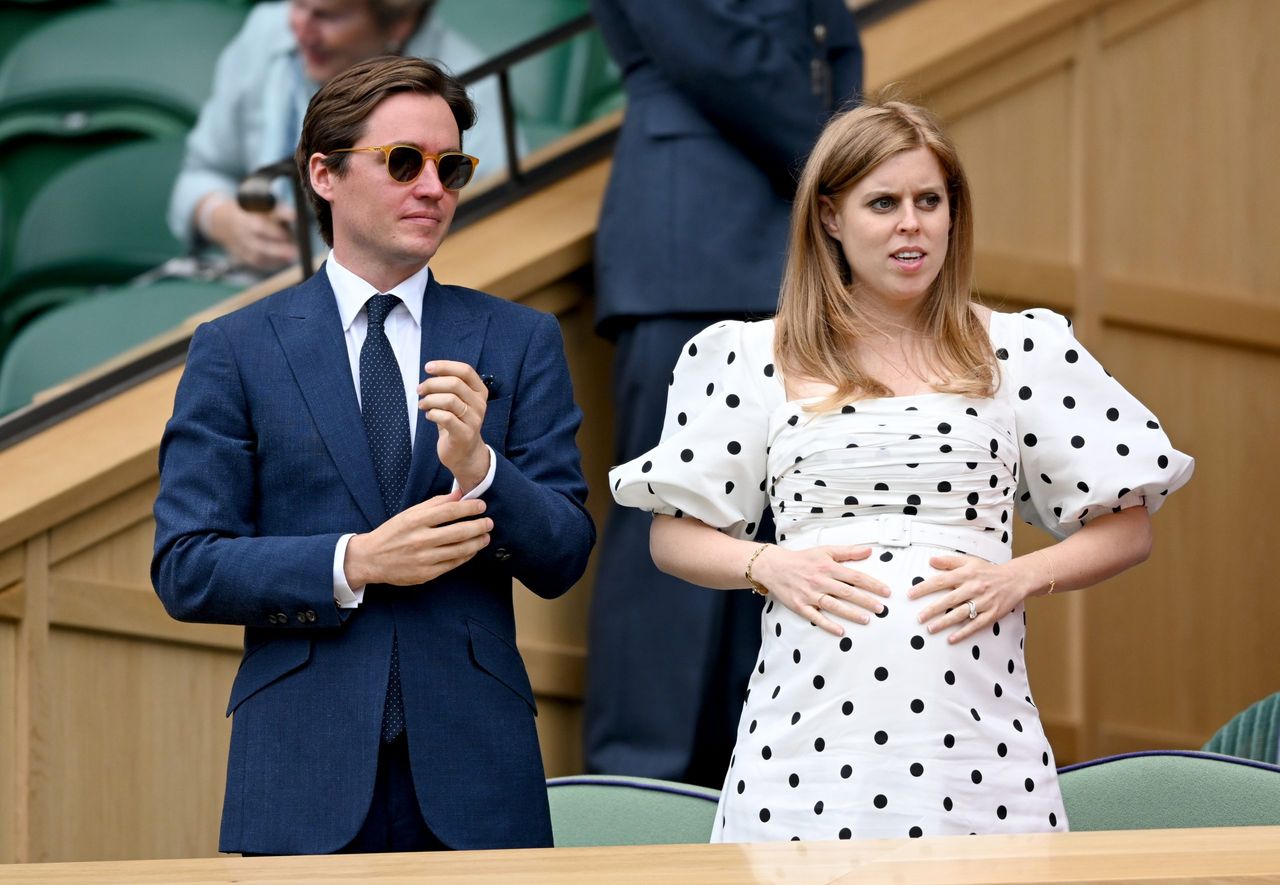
(263, 81)
(357, 470)
(724, 100)
(896, 427)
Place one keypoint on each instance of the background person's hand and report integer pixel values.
(419, 543)
(261, 240)
(815, 583)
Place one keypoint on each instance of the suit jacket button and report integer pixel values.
(502, 554)
(282, 618)
(302, 617)
(311, 616)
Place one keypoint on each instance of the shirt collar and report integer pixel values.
(352, 292)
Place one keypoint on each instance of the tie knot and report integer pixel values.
(378, 307)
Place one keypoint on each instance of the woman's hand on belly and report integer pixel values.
(994, 591)
(815, 584)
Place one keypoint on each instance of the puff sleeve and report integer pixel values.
(1088, 447)
(712, 461)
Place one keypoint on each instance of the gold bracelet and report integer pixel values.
(756, 587)
(1052, 582)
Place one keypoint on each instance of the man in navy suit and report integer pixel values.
(356, 469)
(725, 98)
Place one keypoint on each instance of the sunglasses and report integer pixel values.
(406, 162)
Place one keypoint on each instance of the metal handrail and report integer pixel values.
(34, 418)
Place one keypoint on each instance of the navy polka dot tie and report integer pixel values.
(386, 422)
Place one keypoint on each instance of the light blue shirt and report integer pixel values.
(260, 94)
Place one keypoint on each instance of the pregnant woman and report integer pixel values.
(896, 427)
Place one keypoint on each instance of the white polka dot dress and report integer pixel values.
(888, 731)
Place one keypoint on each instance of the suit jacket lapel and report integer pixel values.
(310, 332)
(449, 332)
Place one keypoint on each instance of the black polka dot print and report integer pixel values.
(888, 731)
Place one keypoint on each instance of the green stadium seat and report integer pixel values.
(27, 163)
(144, 66)
(589, 810)
(1253, 733)
(83, 333)
(1170, 789)
(17, 19)
(99, 221)
(17, 312)
(556, 91)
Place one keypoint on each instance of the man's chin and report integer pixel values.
(319, 72)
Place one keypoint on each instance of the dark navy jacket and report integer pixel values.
(263, 466)
(725, 98)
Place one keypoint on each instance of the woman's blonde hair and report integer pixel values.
(820, 316)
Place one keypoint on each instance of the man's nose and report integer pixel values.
(428, 185)
(304, 28)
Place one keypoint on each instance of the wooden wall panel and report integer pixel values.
(1123, 166)
(1189, 150)
(1185, 641)
(1016, 153)
(560, 734)
(8, 741)
(122, 556)
(561, 625)
(137, 747)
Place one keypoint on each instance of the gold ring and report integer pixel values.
(818, 604)
(466, 407)
(973, 609)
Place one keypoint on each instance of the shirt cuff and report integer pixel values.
(343, 594)
(484, 483)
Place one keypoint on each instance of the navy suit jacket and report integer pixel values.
(263, 466)
(722, 110)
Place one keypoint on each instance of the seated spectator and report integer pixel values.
(264, 79)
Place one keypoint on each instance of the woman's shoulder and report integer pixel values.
(754, 338)
(1019, 331)
(732, 351)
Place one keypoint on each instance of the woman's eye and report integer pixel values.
(930, 201)
(882, 204)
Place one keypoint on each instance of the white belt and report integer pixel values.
(902, 531)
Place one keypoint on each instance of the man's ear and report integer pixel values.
(321, 176)
(399, 32)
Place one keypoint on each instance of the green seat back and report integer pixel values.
(16, 21)
(25, 166)
(19, 310)
(84, 333)
(1253, 733)
(1170, 790)
(146, 65)
(101, 220)
(606, 810)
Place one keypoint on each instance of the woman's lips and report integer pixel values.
(908, 259)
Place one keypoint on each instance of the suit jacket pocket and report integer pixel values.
(497, 413)
(266, 664)
(671, 116)
(500, 659)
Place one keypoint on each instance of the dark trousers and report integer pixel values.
(668, 662)
(395, 821)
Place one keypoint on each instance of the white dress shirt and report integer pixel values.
(404, 330)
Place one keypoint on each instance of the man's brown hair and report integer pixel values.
(337, 113)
